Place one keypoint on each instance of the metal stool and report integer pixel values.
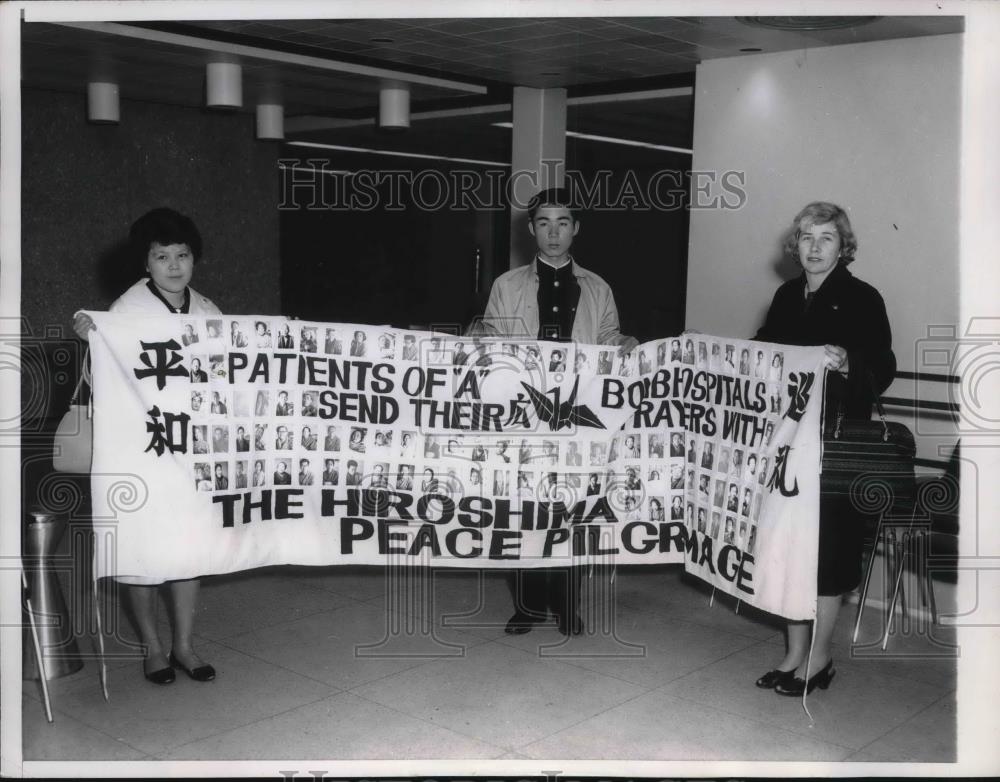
(55, 651)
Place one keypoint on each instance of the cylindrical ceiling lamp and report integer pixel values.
(102, 102)
(394, 105)
(224, 85)
(270, 121)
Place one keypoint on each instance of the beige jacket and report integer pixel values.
(512, 310)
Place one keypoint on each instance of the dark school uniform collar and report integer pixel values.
(184, 309)
(576, 270)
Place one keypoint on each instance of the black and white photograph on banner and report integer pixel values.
(472, 388)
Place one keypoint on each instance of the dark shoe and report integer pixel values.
(796, 686)
(519, 624)
(203, 673)
(574, 627)
(772, 678)
(162, 676)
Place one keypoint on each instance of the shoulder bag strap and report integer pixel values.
(878, 406)
(84, 378)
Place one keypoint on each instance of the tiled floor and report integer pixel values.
(336, 663)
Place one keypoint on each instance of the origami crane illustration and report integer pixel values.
(564, 415)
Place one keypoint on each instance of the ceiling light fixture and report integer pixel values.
(806, 23)
(394, 105)
(224, 85)
(270, 121)
(103, 107)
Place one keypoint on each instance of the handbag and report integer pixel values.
(73, 444)
(870, 461)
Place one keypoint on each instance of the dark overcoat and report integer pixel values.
(850, 313)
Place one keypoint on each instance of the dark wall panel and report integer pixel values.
(629, 236)
(395, 261)
(83, 185)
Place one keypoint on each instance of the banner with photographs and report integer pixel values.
(250, 441)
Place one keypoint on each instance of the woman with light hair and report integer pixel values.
(827, 305)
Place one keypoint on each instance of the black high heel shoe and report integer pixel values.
(162, 676)
(203, 673)
(796, 686)
(773, 678)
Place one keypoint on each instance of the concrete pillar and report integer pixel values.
(538, 159)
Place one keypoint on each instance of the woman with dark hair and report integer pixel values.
(430, 484)
(358, 345)
(263, 334)
(167, 245)
(827, 305)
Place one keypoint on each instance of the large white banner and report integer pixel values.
(257, 441)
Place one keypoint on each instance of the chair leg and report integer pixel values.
(39, 659)
(888, 574)
(904, 545)
(896, 592)
(867, 581)
(920, 563)
(930, 594)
